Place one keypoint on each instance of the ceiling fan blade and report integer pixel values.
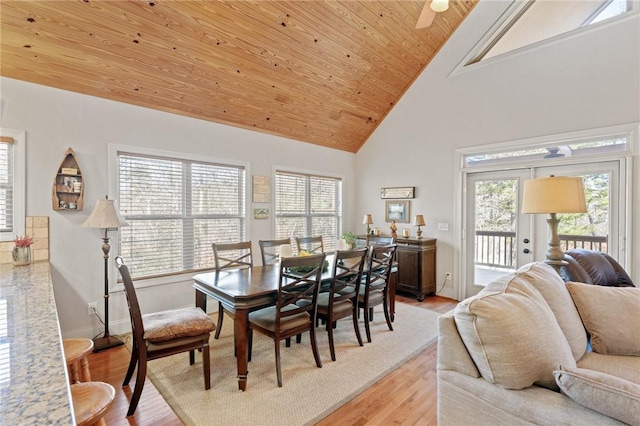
(426, 16)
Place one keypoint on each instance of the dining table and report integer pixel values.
(248, 289)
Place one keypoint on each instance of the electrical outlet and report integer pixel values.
(92, 308)
(448, 278)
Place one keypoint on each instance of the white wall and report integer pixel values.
(578, 83)
(55, 120)
(582, 82)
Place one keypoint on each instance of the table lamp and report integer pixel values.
(368, 220)
(105, 215)
(551, 195)
(418, 221)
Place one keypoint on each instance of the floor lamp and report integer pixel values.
(551, 195)
(106, 216)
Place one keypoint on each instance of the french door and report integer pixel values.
(499, 239)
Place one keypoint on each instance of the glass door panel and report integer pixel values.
(494, 231)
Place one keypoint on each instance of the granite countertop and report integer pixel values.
(34, 388)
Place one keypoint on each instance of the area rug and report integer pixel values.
(308, 393)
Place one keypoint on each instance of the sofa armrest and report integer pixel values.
(452, 353)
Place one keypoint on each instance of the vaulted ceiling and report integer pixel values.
(322, 72)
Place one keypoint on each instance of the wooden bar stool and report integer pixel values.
(75, 353)
(91, 401)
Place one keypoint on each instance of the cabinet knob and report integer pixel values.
(526, 251)
(526, 241)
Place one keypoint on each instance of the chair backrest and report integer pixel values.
(347, 274)
(379, 268)
(594, 267)
(137, 328)
(373, 240)
(270, 250)
(299, 282)
(380, 241)
(311, 245)
(232, 255)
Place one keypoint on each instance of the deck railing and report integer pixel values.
(498, 249)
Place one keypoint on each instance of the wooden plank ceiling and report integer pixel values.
(322, 72)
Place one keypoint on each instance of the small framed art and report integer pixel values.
(398, 192)
(397, 210)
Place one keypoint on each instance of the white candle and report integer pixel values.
(285, 250)
(405, 233)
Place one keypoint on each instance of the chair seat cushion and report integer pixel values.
(266, 318)
(176, 323)
(374, 296)
(338, 307)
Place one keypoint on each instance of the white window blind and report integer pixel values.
(6, 184)
(176, 209)
(308, 205)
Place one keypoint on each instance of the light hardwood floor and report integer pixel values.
(405, 397)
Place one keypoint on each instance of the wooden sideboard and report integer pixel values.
(416, 266)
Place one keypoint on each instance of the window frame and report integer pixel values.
(308, 215)
(19, 184)
(113, 178)
(469, 62)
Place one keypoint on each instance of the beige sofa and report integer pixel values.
(518, 353)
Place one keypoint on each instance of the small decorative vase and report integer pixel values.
(21, 256)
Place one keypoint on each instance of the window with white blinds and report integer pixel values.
(176, 208)
(308, 205)
(6, 185)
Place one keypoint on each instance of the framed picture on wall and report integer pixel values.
(397, 210)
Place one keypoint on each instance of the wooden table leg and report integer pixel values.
(391, 293)
(201, 300)
(241, 331)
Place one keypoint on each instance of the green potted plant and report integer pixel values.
(349, 238)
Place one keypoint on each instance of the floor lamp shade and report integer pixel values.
(551, 195)
(106, 216)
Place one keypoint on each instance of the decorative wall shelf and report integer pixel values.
(68, 185)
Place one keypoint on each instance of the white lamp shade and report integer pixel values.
(367, 219)
(554, 194)
(439, 5)
(105, 215)
(418, 220)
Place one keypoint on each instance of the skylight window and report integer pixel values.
(537, 20)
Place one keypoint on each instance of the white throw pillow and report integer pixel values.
(547, 281)
(604, 393)
(611, 315)
(512, 335)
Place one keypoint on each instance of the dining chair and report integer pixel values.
(230, 256)
(270, 250)
(374, 291)
(377, 240)
(299, 281)
(341, 300)
(311, 245)
(373, 240)
(161, 334)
